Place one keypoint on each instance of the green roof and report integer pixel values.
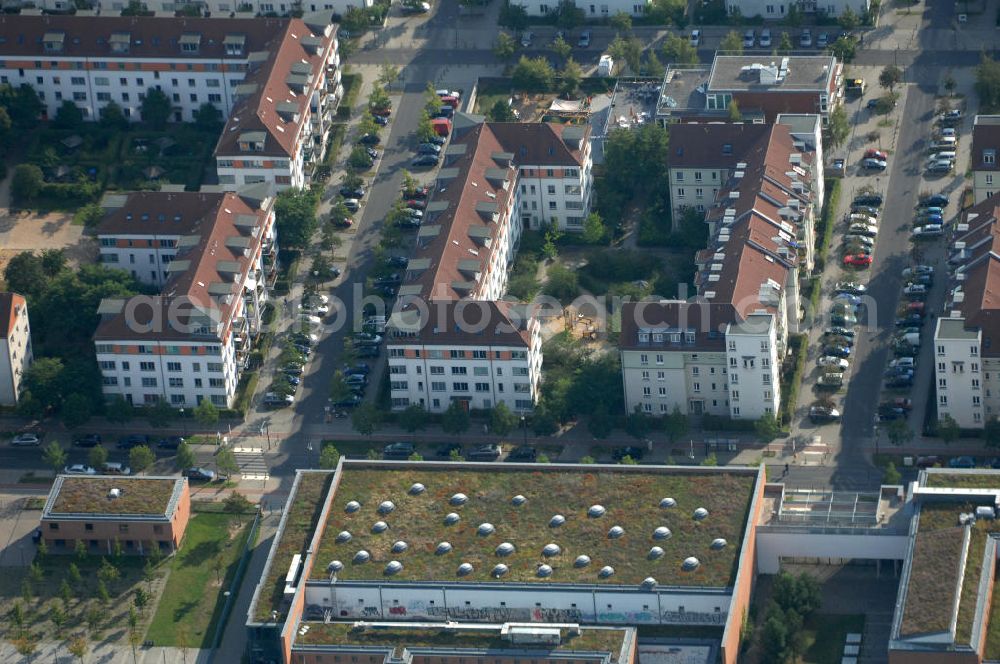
(142, 496)
(630, 495)
(952, 480)
(398, 637)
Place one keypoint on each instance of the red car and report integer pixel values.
(872, 153)
(416, 204)
(858, 260)
(384, 112)
(420, 192)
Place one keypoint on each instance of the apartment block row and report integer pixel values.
(213, 256)
(276, 81)
(966, 363)
(769, 9)
(452, 339)
(760, 187)
(15, 346)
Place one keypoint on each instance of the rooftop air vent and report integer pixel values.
(459, 499)
(451, 519)
(343, 536)
(550, 550)
(385, 507)
(352, 507)
(668, 503)
(505, 549)
(362, 556)
(557, 521)
(543, 571)
(499, 570)
(581, 561)
(596, 511)
(485, 529)
(700, 513)
(661, 533)
(334, 566)
(518, 500)
(417, 488)
(655, 553)
(649, 583)
(465, 569)
(394, 567)
(442, 548)
(718, 543)
(690, 564)
(400, 546)
(114, 493)
(616, 532)
(606, 572)
(380, 527)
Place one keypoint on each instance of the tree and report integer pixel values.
(416, 456)
(455, 420)
(501, 112)
(378, 98)
(156, 109)
(97, 456)
(533, 74)
(543, 421)
(593, 229)
(627, 50)
(113, 117)
(355, 20)
(505, 47)
(899, 432)
(76, 410)
(654, 67)
(675, 425)
(425, 128)
(599, 423)
(621, 22)
(734, 111)
(785, 45)
(800, 593)
(68, 117)
(339, 389)
(849, 19)
(563, 283)
(950, 84)
(78, 646)
(844, 48)
(329, 457)
(561, 47)
(568, 15)
(366, 418)
(891, 475)
(638, 424)
(359, 159)
(141, 458)
(26, 182)
(160, 414)
(185, 456)
(668, 11)
(295, 216)
(549, 248)
(991, 432)
(237, 505)
(732, 43)
(987, 84)
(774, 639)
(767, 427)
(73, 573)
(108, 573)
(206, 414)
(572, 77)
(413, 418)
(54, 455)
(890, 77)
(948, 429)
(710, 460)
(839, 126)
(502, 421)
(134, 638)
(80, 550)
(588, 460)
(226, 462)
(119, 410)
(208, 117)
(22, 105)
(387, 74)
(678, 50)
(513, 16)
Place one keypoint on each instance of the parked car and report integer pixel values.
(633, 452)
(875, 164)
(934, 200)
(88, 440)
(26, 439)
(875, 200)
(914, 289)
(428, 148)
(929, 461)
(830, 380)
(489, 452)
(940, 166)
(397, 261)
(273, 399)
(522, 453)
(425, 160)
(134, 440)
(355, 369)
(353, 192)
(448, 449)
(865, 209)
(872, 153)
(352, 204)
(917, 269)
(115, 468)
(837, 351)
(823, 414)
(862, 240)
(822, 40)
(839, 332)
(857, 260)
(199, 473)
(863, 229)
(584, 40)
(416, 203)
(170, 442)
(835, 362)
(843, 320)
(398, 451)
(749, 38)
(930, 230)
(79, 469)
(847, 298)
(526, 38)
(806, 38)
(695, 39)
(351, 401)
(765, 38)
(370, 139)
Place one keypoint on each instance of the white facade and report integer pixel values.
(482, 376)
(556, 196)
(778, 9)
(144, 256)
(660, 379)
(754, 367)
(15, 347)
(960, 374)
(605, 9)
(777, 542)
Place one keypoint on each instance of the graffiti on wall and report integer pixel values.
(694, 617)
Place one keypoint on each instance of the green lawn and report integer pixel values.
(192, 599)
(825, 636)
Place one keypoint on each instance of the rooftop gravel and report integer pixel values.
(146, 496)
(631, 500)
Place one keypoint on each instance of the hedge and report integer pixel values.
(824, 232)
(722, 423)
(244, 392)
(791, 376)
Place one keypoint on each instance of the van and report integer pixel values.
(114, 468)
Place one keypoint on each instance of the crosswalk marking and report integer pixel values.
(251, 463)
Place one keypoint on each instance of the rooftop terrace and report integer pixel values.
(558, 509)
(399, 636)
(92, 495)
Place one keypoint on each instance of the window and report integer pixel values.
(460, 387)
(973, 350)
(767, 379)
(645, 375)
(680, 192)
(397, 369)
(149, 382)
(479, 354)
(647, 392)
(398, 385)
(437, 371)
(216, 382)
(215, 367)
(77, 80)
(438, 386)
(482, 387)
(989, 156)
(107, 365)
(173, 366)
(459, 371)
(176, 382)
(975, 401)
(551, 189)
(147, 366)
(644, 359)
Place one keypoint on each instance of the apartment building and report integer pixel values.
(15, 347)
(247, 8)
(590, 10)
(283, 110)
(983, 158)
(192, 341)
(762, 86)
(772, 10)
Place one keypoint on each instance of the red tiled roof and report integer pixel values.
(9, 304)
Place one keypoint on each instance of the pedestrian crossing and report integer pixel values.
(251, 463)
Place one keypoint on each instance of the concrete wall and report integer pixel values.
(773, 544)
(745, 577)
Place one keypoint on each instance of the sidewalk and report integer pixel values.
(106, 654)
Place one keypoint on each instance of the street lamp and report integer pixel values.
(184, 423)
(524, 429)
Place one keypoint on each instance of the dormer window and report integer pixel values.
(190, 42)
(234, 44)
(120, 42)
(252, 141)
(53, 41)
(989, 157)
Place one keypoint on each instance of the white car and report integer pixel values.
(79, 469)
(321, 309)
(831, 361)
(907, 362)
(915, 289)
(315, 320)
(26, 439)
(450, 93)
(860, 239)
(948, 132)
(930, 230)
(863, 229)
(696, 37)
(765, 38)
(856, 217)
(323, 299)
